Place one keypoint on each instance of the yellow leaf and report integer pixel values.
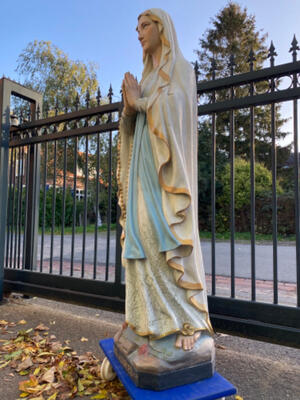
(24, 394)
(100, 395)
(83, 339)
(22, 322)
(80, 386)
(238, 398)
(53, 397)
(5, 364)
(61, 364)
(22, 373)
(36, 371)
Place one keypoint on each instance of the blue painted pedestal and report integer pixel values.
(215, 387)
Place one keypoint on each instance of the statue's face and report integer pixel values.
(148, 34)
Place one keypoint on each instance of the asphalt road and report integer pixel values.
(264, 256)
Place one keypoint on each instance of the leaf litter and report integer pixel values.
(53, 370)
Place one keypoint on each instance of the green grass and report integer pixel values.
(247, 236)
(78, 229)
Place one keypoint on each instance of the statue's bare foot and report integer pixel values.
(186, 342)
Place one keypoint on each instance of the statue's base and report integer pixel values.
(212, 388)
(162, 380)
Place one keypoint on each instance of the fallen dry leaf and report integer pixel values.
(49, 376)
(22, 322)
(41, 327)
(57, 372)
(24, 364)
(83, 339)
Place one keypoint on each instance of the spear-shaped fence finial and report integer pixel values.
(98, 97)
(272, 54)
(110, 94)
(251, 58)
(231, 63)
(76, 102)
(213, 68)
(87, 98)
(196, 69)
(38, 111)
(294, 48)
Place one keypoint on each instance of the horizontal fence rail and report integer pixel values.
(64, 168)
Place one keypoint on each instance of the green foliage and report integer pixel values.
(234, 32)
(204, 174)
(68, 220)
(242, 192)
(49, 70)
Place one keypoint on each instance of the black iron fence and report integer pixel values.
(62, 235)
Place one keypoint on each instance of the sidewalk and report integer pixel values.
(260, 371)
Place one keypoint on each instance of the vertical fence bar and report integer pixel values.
(44, 203)
(53, 206)
(296, 168)
(252, 199)
(213, 189)
(63, 210)
(25, 207)
(110, 93)
(96, 206)
(17, 206)
(274, 205)
(294, 48)
(109, 207)
(86, 171)
(118, 267)
(9, 207)
(13, 207)
(20, 206)
(74, 206)
(252, 184)
(232, 189)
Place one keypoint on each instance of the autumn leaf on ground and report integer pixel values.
(22, 322)
(220, 346)
(41, 327)
(56, 373)
(48, 375)
(24, 364)
(83, 339)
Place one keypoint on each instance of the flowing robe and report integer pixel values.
(157, 178)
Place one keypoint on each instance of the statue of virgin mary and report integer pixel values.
(167, 320)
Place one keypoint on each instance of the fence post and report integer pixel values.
(4, 150)
(32, 201)
(8, 88)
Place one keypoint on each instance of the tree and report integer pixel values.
(46, 68)
(49, 70)
(234, 32)
(204, 174)
(242, 189)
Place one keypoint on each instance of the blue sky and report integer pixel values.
(104, 31)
